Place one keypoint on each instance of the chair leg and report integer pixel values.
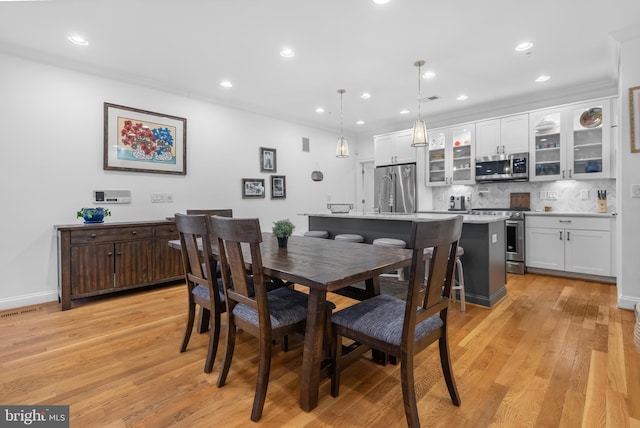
(214, 337)
(460, 285)
(336, 354)
(228, 354)
(447, 369)
(264, 366)
(409, 390)
(190, 319)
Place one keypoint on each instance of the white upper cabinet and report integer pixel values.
(572, 142)
(506, 135)
(451, 156)
(394, 148)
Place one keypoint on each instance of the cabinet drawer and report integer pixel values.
(166, 231)
(561, 222)
(111, 234)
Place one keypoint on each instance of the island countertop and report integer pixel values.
(483, 240)
(467, 218)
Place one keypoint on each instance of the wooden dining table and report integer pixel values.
(324, 265)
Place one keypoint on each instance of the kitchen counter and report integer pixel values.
(570, 214)
(467, 218)
(483, 240)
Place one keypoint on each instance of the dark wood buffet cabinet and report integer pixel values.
(95, 259)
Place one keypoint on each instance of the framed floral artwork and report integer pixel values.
(278, 187)
(267, 160)
(252, 188)
(144, 141)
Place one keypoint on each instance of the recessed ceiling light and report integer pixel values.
(381, 1)
(404, 111)
(524, 46)
(226, 84)
(462, 97)
(543, 78)
(319, 110)
(77, 39)
(365, 95)
(360, 122)
(429, 75)
(287, 53)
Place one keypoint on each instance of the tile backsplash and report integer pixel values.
(572, 196)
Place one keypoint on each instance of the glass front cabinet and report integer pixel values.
(572, 142)
(451, 156)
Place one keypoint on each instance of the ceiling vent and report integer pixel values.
(427, 99)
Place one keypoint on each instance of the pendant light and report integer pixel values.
(342, 151)
(419, 138)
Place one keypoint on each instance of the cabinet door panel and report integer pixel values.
(545, 248)
(167, 262)
(134, 263)
(92, 268)
(588, 251)
(488, 140)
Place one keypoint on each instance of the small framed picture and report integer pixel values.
(267, 160)
(252, 188)
(278, 187)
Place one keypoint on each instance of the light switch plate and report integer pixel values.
(584, 194)
(635, 190)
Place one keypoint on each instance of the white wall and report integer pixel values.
(628, 173)
(51, 160)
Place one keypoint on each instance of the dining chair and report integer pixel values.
(402, 328)
(204, 288)
(265, 315)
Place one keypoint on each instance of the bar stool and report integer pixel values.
(457, 285)
(317, 234)
(395, 243)
(349, 237)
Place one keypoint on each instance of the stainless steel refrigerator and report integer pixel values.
(395, 188)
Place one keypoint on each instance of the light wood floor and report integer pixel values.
(553, 353)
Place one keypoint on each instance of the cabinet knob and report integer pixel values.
(134, 232)
(118, 253)
(171, 229)
(93, 235)
(109, 254)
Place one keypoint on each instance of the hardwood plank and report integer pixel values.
(554, 353)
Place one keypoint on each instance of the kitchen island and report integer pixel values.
(483, 240)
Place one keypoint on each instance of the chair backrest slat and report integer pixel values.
(220, 212)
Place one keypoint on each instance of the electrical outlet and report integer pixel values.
(552, 195)
(584, 194)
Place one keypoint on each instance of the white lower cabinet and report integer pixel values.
(571, 244)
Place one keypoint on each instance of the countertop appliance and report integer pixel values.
(395, 188)
(457, 203)
(503, 167)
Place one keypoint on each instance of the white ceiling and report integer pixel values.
(189, 46)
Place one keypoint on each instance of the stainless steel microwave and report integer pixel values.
(503, 167)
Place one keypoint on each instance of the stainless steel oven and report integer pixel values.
(515, 244)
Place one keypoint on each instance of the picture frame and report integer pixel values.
(253, 188)
(278, 187)
(634, 118)
(267, 160)
(138, 140)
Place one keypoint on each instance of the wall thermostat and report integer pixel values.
(112, 196)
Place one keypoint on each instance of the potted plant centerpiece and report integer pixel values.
(93, 215)
(282, 229)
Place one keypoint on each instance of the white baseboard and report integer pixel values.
(28, 300)
(627, 302)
